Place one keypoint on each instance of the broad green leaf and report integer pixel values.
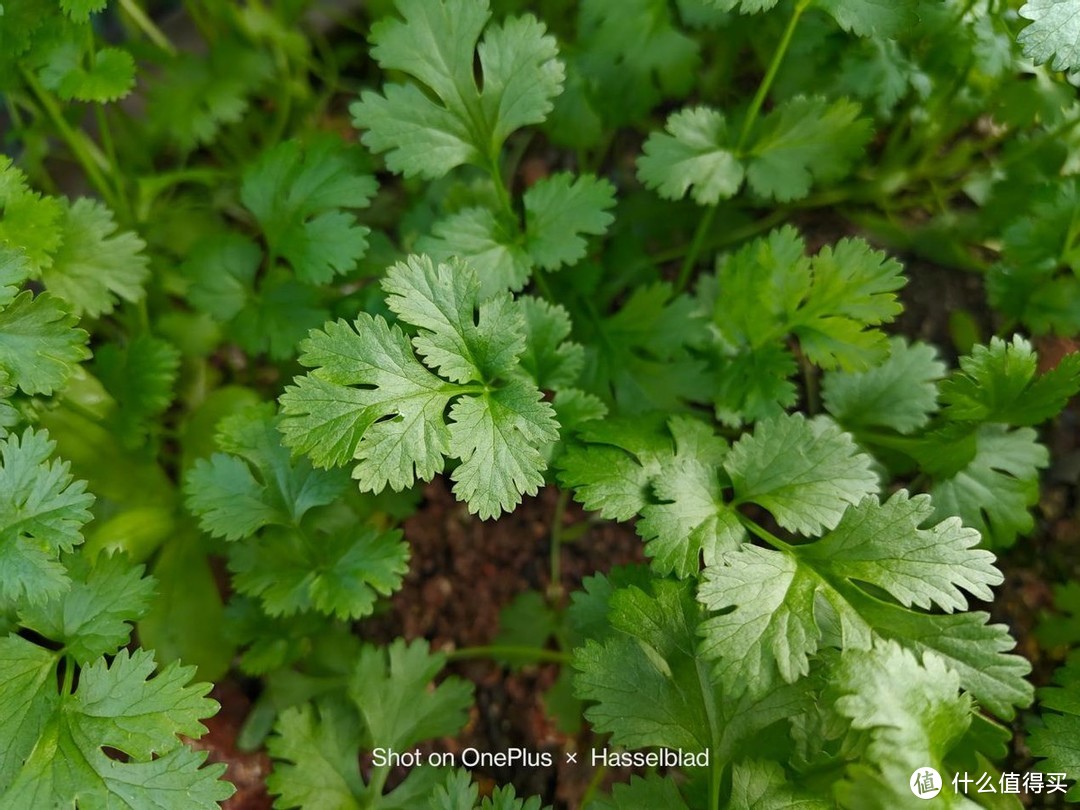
(901, 393)
(559, 211)
(804, 140)
(392, 689)
(42, 512)
(29, 222)
(80, 10)
(872, 18)
(806, 472)
(652, 791)
(39, 343)
(1057, 740)
(992, 493)
(489, 245)
(92, 617)
(95, 266)
(110, 75)
(1054, 33)
(694, 155)
(298, 195)
(452, 120)
(762, 785)
(549, 358)
(140, 376)
(497, 424)
(56, 751)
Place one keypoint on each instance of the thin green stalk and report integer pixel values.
(147, 26)
(555, 588)
(506, 651)
(85, 151)
(770, 74)
(540, 280)
(762, 533)
(690, 262)
(594, 785)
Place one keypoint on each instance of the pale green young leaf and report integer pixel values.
(39, 343)
(42, 512)
(1054, 33)
(436, 43)
(93, 617)
(110, 75)
(901, 393)
(498, 422)
(806, 472)
(95, 266)
(255, 483)
(694, 155)
(121, 705)
(299, 195)
(392, 689)
(80, 10)
(560, 211)
(802, 141)
(314, 747)
(912, 711)
(340, 573)
(881, 19)
(993, 491)
(477, 235)
(1000, 383)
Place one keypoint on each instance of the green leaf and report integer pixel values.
(804, 140)
(695, 156)
(436, 43)
(92, 617)
(652, 791)
(80, 10)
(30, 222)
(95, 266)
(806, 472)
(776, 605)
(395, 425)
(39, 344)
(1000, 383)
(1056, 740)
(881, 19)
(762, 785)
(140, 375)
(109, 76)
(341, 572)
(298, 194)
(561, 208)
(912, 712)
(42, 512)
(993, 491)
(743, 6)
(56, 756)
(489, 245)
(392, 689)
(1053, 35)
(554, 362)
(901, 393)
(228, 498)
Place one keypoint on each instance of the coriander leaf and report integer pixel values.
(1056, 740)
(743, 6)
(913, 713)
(92, 618)
(42, 512)
(340, 573)
(872, 18)
(194, 96)
(392, 689)
(297, 195)
(14, 270)
(549, 358)
(652, 791)
(39, 343)
(314, 748)
(993, 491)
(140, 376)
(638, 358)
(803, 140)
(1054, 33)
(1062, 628)
(257, 484)
(1000, 383)
(110, 75)
(489, 245)
(436, 43)
(30, 222)
(497, 420)
(222, 273)
(692, 156)
(58, 748)
(80, 10)
(95, 266)
(762, 785)
(806, 472)
(558, 210)
(899, 393)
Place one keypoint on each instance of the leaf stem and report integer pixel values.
(762, 533)
(555, 589)
(506, 651)
(147, 26)
(690, 262)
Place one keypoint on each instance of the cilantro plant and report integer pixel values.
(268, 270)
